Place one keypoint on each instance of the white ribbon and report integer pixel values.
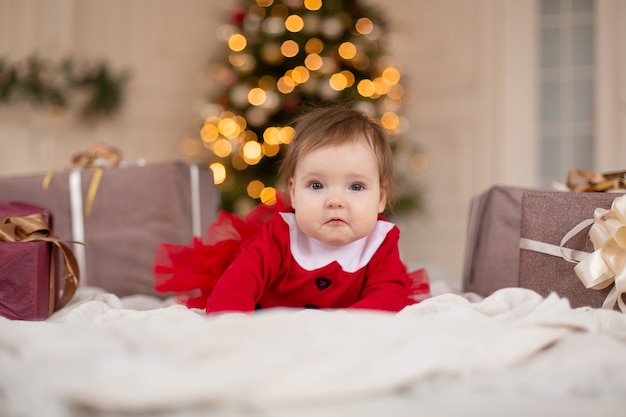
(570, 255)
(194, 181)
(607, 264)
(78, 220)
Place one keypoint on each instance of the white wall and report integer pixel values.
(167, 45)
(471, 74)
(469, 69)
(610, 107)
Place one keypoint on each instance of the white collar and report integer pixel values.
(312, 254)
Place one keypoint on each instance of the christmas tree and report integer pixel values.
(282, 56)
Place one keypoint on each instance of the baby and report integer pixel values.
(331, 248)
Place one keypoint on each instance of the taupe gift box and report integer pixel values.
(547, 217)
(134, 210)
(492, 249)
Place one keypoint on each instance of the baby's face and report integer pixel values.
(336, 193)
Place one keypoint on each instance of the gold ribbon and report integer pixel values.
(97, 157)
(34, 228)
(584, 180)
(607, 264)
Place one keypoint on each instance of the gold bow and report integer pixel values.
(96, 158)
(98, 155)
(584, 180)
(607, 264)
(34, 228)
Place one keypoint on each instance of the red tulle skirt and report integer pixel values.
(191, 272)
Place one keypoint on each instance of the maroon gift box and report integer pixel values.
(134, 210)
(28, 289)
(547, 217)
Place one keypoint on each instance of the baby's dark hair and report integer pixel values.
(336, 125)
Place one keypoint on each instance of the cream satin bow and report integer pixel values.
(607, 264)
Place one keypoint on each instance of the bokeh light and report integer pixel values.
(237, 42)
(364, 26)
(338, 82)
(257, 96)
(268, 196)
(313, 4)
(347, 50)
(289, 48)
(252, 152)
(254, 188)
(366, 88)
(219, 172)
(294, 23)
(391, 75)
(314, 46)
(313, 62)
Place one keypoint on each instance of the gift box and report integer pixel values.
(492, 248)
(551, 246)
(28, 285)
(131, 210)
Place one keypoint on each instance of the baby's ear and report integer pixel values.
(290, 190)
(382, 204)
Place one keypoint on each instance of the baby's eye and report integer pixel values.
(357, 187)
(314, 185)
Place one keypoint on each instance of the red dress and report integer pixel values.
(278, 266)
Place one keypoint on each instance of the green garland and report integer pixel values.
(98, 93)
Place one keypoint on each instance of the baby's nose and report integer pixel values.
(334, 201)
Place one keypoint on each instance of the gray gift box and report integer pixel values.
(547, 217)
(492, 249)
(135, 209)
